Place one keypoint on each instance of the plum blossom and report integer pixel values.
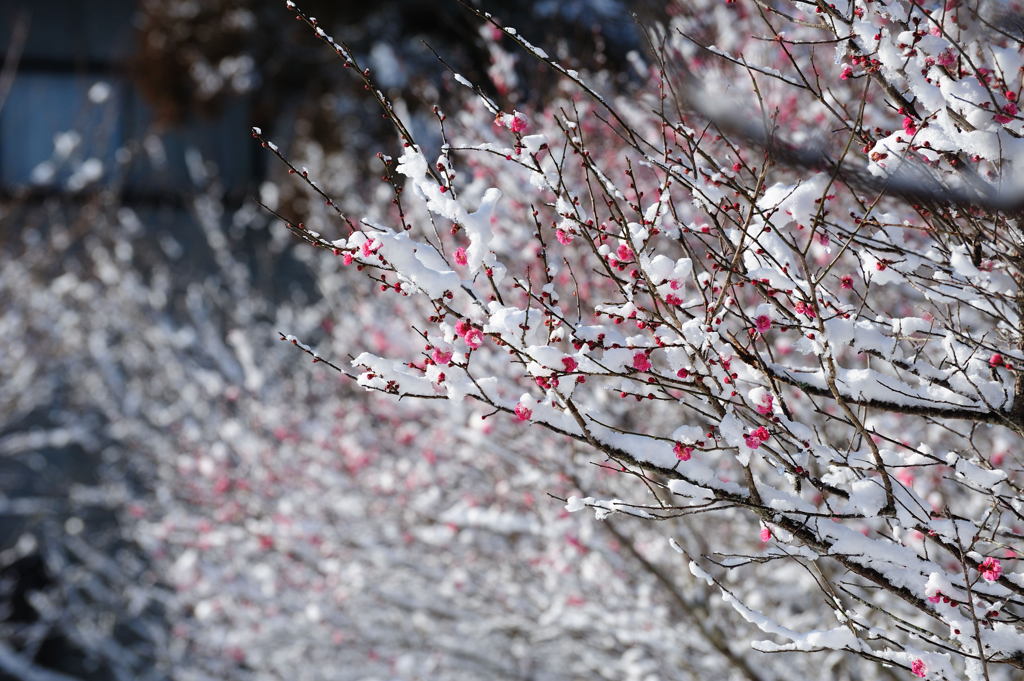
(474, 338)
(806, 309)
(370, 246)
(642, 361)
(523, 413)
(516, 121)
(766, 405)
(756, 438)
(918, 668)
(991, 569)
(682, 452)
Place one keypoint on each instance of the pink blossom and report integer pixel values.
(641, 361)
(908, 126)
(682, 452)
(462, 327)
(569, 363)
(766, 535)
(763, 323)
(474, 338)
(803, 308)
(518, 123)
(1009, 111)
(757, 438)
(846, 281)
(991, 569)
(918, 669)
(346, 259)
(441, 357)
(847, 72)
(624, 253)
(460, 256)
(765, 407)
(523, 413)
(946, 58)
(564, 237)
(370, 246)
(995, 360)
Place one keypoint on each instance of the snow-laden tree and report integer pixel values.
(758, 312)
(780, 285)
(279, 524)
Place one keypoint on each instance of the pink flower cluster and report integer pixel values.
(946, 58)
(765, 407)
(370, 246)
(642, 361)
(800, 307)
(757, 438)
(473, 336)
(918, 668)
(991, 569)
(682, 452)
(523, 413)
(1009, 111)
(516, 122)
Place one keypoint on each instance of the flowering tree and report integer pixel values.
(781, 289)
(758, 313)
(376, 538)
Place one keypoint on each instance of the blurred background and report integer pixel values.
(128, 229)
